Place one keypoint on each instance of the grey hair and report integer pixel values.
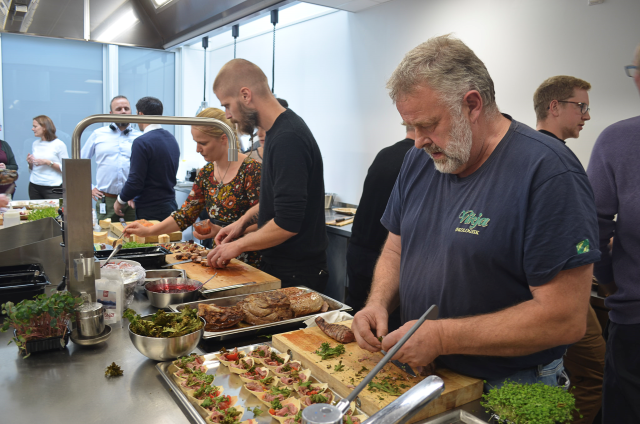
(449, 67)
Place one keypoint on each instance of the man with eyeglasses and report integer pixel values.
(613, 173)
(561, 104)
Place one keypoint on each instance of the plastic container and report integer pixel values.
(11, 218)
(20, 282)
(151, 257)
(43, 345)
(110, 293)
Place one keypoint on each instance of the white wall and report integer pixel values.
(333, 69)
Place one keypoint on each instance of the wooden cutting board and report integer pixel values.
(341, 223)
(237, 272)
(117, 229)
(459, 389)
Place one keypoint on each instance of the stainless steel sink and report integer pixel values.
(455, 417)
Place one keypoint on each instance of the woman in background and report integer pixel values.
(45, 160)
(225, 189)
(7, 161)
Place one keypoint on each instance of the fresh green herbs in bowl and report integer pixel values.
(41, 213)
(530, 404)
(135, 244)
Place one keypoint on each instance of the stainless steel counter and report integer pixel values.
(330, 215)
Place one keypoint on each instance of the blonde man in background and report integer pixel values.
(226, 189)
(561, 104)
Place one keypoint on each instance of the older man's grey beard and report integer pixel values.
(248, 121)
(458, 148)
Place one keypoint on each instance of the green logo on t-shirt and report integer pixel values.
(583, 246)
(469, 218)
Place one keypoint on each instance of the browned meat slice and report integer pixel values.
(267, 307)
(218, 317)
(291, 291)
(337, 332)
(308, 303)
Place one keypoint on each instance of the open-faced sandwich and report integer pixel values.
(294, 377)
(282, 411)
(287, 369)
(275, 360)
(275, 393)
(231, 415)
(203, 392)
(191, 362)
(259, 386)
(225, 357)
(242, 365)
(254, 374)
(259, 353)
(220, 403)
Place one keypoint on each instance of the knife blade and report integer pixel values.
(405, 367)
(176, 263)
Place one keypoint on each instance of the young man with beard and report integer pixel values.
(561, 104)
(290, 216)
(490, 220)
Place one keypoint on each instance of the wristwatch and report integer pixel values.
(51, 163)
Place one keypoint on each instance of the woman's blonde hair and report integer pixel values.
(212, 112)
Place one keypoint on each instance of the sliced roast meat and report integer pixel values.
(269, 397)
(265, 308)
(287, 381)
(219, 317)
(255, 387)
(291, 291)
(338, 332)
(306, 304)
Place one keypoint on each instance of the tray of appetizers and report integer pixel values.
(253, 384)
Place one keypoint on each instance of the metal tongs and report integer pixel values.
(118, 246)
(398, 411)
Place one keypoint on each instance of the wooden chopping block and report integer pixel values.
(117, 229)
(340, 222)
(301, 344)
(237, 272)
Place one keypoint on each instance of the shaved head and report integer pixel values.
(239, 73)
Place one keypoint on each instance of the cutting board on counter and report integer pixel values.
(459, 389)
(117, 229)
(237, 272)
(337, 223)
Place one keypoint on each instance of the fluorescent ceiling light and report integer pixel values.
(159, 3)
(76, 92)
(90, 81)
(125, 22)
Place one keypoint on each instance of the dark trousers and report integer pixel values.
(314, 276)
(157, 212)
(621, 389)
(361, 263)
(38, 192)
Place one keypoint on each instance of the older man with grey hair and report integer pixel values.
(490, 220)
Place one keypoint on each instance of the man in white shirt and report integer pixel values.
(111, 146)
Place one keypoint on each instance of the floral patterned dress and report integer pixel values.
(224, 202)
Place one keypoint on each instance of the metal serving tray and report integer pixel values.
(248, 329)
(232, 385)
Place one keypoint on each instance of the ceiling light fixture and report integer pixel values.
(235, 32)
(274, 21)
(123, 23)
(204, 104)
(91, 81)
(160, 3)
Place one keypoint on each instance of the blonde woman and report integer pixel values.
(226, 189)
(45, 160)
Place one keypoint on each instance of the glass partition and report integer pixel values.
(43, 76)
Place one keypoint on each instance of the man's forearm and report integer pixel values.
(250, 217)
(386, 278)
(541, 323)
(268, 236)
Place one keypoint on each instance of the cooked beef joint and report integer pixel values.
(306, 304)
(291, 291)
(338, 332)
(265, 308)
(218, 317)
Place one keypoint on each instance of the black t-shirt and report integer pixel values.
(476, 245)
(367, 230)
(550, 134)
(292, 193)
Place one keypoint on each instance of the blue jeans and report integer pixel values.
(552, 374)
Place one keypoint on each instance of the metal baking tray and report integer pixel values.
(150, 257)
(243, 329)
(232, 385)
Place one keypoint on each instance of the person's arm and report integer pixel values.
(555, 316)
(169, 225)
(11, 159)
(137, 172)
(235, 230)
(383, 297)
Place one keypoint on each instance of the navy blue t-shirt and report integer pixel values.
(474, 245)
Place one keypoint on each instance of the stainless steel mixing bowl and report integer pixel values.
(166, 349)
(163, 300)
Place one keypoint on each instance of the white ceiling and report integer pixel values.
(348, 5)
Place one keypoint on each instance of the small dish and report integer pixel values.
(82, 341)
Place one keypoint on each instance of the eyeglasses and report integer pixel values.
(630, 70)
(584, 108)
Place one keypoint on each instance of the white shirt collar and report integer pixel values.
(152, 127)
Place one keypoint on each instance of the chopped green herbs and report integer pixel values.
(275, 404)
(163, 324)
(135, 244)
(281, 391)
(385, 386)
(113, 370)
(338, 367)
(380, 339)
(256, 411)
(530, 403)
(318, 399)
(266, 381)
(328, 352)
